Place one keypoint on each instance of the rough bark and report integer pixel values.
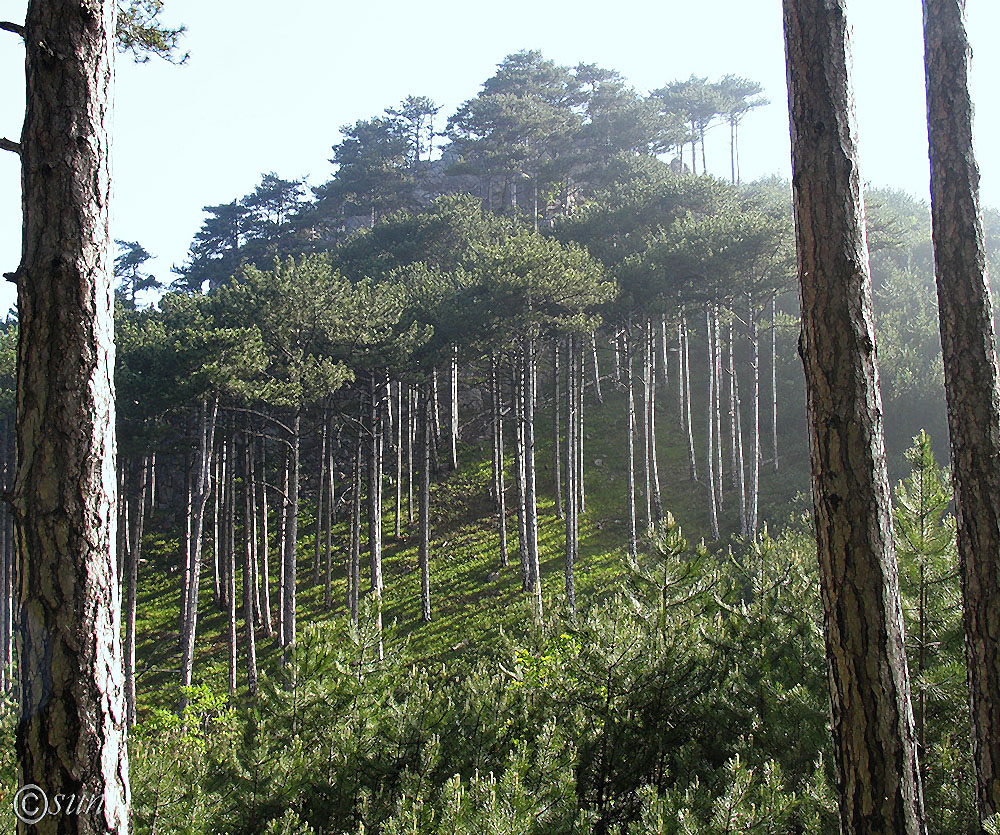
(968, 344)
(878, 780)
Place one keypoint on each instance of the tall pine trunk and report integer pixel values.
(686, 397)
(198, 500)
(713, 513)
(425, 512)
(878, 780)
(971, 374)
(249, 536)
(556, 434)
(265, 545)
(354, 554)
(291, 538)
(530, 495)
(654, 467)
(774, 383)
(754, 497)
(572, 394)
(375, 499)
(500, 486)
(632, 526)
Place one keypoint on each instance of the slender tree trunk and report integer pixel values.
(231, 583)
(571, 469)
(527, 580)
(136, 493)
(717, 405)
(184, 557)
(265, 545)
(556, 435)
(654, 467)
(282, 513)
(251, 526)
(375, 500)
(971, 374)
(320, 505)
(664, 367)
(647, 451)
(499, 464)
(410, 432)
(686, 384)
(249, 535)
(736, 426)
(328, 524)
(632, 526)
(530, 496)
(217, 481)
(6, 603)
(713, 513)
(581, 502)
(453, 409)
(197, 502)
(597, 368)
(755, 417)
(425, 514)
(774, 384)
(291, 537)
(399, 462)
(873, 736)
(354, 558)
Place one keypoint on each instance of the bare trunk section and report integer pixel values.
(198, 501)
(713, 513)
(654, 467)
(556, 434)
(265, 545)
(878, 780)
(425, 513)
(500, 486)
(572, 542)
(632, 525)
(354, 555)
(453, 406)
(971, 374)
(685, 383)
(136, 493)
(249, 590)
(596, 368)
(774, 384)
(291, 538)
(530, 495)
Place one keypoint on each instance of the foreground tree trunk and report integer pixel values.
(71, 733)
(878, 780)
(970, 373)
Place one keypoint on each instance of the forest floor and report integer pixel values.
(475, 601)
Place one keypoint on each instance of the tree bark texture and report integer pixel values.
(878, 780)
(968, 343)
(70, 735)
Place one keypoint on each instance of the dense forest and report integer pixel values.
(469, 491)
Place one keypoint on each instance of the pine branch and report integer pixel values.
(10, 145)
(16, 28)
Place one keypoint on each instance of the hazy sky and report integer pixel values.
(269, 84)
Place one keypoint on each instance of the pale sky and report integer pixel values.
(269, 84)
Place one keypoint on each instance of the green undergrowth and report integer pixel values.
(475, 600)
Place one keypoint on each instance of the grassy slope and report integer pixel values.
(473, 598)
